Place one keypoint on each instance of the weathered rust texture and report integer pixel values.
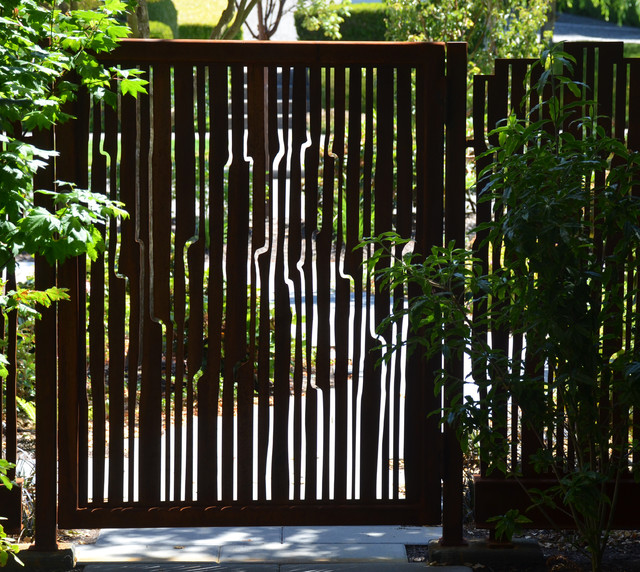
(237, 303)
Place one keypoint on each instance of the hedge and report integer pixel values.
(366, 24)
(195, 31)
(164, 11)
(160, 30)
(200, 32)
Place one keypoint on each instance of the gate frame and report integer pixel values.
(56, 363)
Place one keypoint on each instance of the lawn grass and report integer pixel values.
(203, 12)
(631, 50)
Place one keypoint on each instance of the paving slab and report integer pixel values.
(199, 536)
(287, 553)
(172, 567)
(370, 567)
(149, 553)
(173, 544)
(258, 549)
(361, 534)
(197, 567)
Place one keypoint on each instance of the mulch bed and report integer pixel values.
(561, 553)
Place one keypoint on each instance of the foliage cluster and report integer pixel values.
(366, 23)
(160, 31)
(7, 547)
(47, 55)
(566, 224)
(618, 11)
(492, 29)
(35, 85)
(323, 16)
(37, 79)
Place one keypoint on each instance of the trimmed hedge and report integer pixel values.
(194, 31)
(366, 24)
(160, 30)
(200, 32)
(164, 11)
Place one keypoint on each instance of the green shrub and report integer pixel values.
(164, 11)
(366, 24)
(199, 32)
(160, 31)
(194, 31)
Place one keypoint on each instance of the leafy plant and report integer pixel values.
(566, 232)
(509, 524)
(492, 29)
(7, 548)
(366, 22)
(325, 15)
(46, 56)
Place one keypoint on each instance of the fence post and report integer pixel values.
(46, 383)
(456, 108)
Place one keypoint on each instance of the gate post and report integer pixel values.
(46, 384)
(456, 108)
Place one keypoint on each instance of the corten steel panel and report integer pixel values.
(453, 494)
(633, 142)
(46, 390)
(136, 52)
(614, 94)
(235, 328)
(97, 330)
(11, 507)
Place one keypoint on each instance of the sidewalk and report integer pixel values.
(573, 28)
(257, 549)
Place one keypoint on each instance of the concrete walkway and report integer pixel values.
(354, 567)
(258, 549)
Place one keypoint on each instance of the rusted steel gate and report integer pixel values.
(228, 370)
(616, 92)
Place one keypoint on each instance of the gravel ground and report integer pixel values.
(559, 552)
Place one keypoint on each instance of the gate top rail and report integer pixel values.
(141, 51)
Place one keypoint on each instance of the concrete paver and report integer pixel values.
(361, 534)
(370, 567)
(173, 544)
(150, 553)
(359, 567)
(314, 553)
(257, 544)
(257, 549)
(172, 567)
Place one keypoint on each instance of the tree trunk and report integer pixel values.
(139, 21)
(262, 28)
(142, 15)
(550, 24)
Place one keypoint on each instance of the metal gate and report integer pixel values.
(217, 364)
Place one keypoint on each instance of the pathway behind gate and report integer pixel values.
(258, 549)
